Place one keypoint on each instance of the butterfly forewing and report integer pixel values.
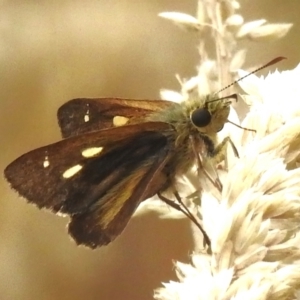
(66, 177)
(84, 115)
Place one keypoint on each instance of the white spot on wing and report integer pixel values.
(119, 121)
(87, 114)
(90, 152)
(72, 171)
(46, 162)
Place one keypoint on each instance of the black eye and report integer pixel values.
(201, 117)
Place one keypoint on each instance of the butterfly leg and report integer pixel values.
(218, 152)
(216, 182)
(180, 206)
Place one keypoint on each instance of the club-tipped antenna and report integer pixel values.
(270, 63)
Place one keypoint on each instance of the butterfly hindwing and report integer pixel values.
(105, 220)
(84, 115)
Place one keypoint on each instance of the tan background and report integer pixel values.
(52, 51)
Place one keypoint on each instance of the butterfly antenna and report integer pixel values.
(270, 63)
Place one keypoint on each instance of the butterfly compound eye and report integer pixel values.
(201, 117)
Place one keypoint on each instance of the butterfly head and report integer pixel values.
(209, 115)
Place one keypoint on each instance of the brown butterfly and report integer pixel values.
(115, 154)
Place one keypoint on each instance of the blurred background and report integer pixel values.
(53, 51)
